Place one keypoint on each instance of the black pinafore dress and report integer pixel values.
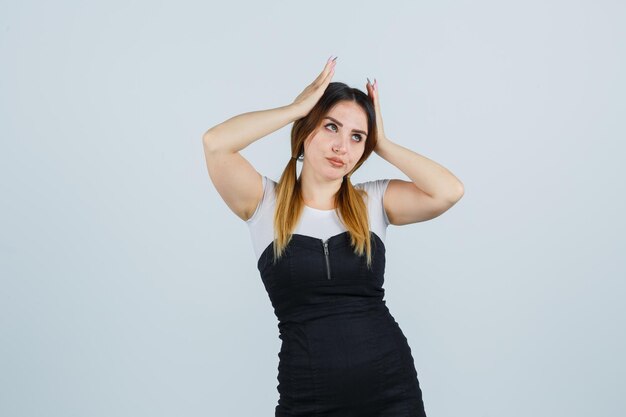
(342, 353)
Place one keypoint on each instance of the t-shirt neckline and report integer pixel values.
(313, 208)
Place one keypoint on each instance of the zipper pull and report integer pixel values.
(325, 243)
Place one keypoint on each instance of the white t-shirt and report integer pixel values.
(314, 222)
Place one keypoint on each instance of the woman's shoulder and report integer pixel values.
(266, 201)
(373, 186)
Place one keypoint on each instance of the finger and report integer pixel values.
(326, 72)
(330, 65)
(371, 92)
(320, 77)
(330, 74)
(323, 83)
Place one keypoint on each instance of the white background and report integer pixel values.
(128, 288)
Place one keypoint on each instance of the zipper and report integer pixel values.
(325, 243)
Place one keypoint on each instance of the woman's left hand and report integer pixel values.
(372, 91)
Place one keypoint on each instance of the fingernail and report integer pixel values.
(335, 58)
(375, 85)
(328, 60)
(368, 81)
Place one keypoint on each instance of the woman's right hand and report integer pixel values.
(314, 91)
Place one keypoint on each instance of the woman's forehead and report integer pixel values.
(350, 115)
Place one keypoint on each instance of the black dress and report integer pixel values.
(342, 353)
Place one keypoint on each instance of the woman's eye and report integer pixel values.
(356, 134)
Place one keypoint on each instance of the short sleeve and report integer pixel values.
(261, 223)
(376, 192)
(256, 215)
(380, 186)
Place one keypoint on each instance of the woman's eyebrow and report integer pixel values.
(341, 124)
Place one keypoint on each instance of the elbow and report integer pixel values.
(208, 141)
(458, 194)
(460, 190)
(206, 135)
(452, 197)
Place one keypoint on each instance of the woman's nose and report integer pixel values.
(341, 144)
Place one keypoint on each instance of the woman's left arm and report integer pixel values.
(432, 190)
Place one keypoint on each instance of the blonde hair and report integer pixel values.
(350, 206)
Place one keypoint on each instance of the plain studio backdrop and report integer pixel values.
(128, 287)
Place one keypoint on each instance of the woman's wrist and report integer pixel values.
(296, 111)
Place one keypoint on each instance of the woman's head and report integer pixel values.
(341, 125)
(316, 138)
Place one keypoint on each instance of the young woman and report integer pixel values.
(319, 242)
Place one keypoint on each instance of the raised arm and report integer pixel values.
(235, 179)
(239, 131)
(433, 189)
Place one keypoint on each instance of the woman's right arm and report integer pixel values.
(236, 180)
(239, 131)
(238, 183)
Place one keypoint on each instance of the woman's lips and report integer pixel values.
(335, 163)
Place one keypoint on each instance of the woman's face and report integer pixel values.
(341, 135)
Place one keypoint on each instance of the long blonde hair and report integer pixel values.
(350, 207)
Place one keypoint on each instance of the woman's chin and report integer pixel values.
(335, 176)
